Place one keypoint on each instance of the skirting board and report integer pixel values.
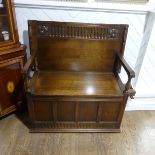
(141, 104)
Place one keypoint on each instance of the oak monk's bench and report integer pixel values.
(76, 85)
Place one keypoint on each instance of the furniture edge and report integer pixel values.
(47, 130)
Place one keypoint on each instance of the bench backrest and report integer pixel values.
(63, 46)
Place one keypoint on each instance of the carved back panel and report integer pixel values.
(76, 46)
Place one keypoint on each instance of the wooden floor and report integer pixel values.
(137, 138)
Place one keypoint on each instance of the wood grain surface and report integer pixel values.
(65, 46)
(75, 84)
(137, 138)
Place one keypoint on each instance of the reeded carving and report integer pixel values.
(60, 125)
(56, 30)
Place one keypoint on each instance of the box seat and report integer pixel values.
(76, 85)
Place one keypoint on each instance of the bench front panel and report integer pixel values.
(95, 114)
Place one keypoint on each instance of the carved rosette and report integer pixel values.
(44, 30)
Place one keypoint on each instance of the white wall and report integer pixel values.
(146, 79)
(145, 67)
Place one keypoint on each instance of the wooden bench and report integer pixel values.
(76, 85)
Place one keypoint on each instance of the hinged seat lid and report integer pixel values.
(75, 84)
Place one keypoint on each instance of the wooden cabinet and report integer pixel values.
(11, 85)
(12, 59)
(8, 29)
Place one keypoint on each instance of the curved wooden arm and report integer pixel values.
(131, 74)
(125, 65)
(26, 72)
(29, 64)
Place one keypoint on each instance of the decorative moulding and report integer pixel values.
(56, 30)
(140, 8)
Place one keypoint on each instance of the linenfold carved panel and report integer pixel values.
(68, 31)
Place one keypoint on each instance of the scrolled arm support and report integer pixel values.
(131, 74)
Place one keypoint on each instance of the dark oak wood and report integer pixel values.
(66, 46)
(12, 60)
(76, 86)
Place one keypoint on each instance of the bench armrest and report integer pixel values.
(120, 61)
(29, 66)
(128, 69)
